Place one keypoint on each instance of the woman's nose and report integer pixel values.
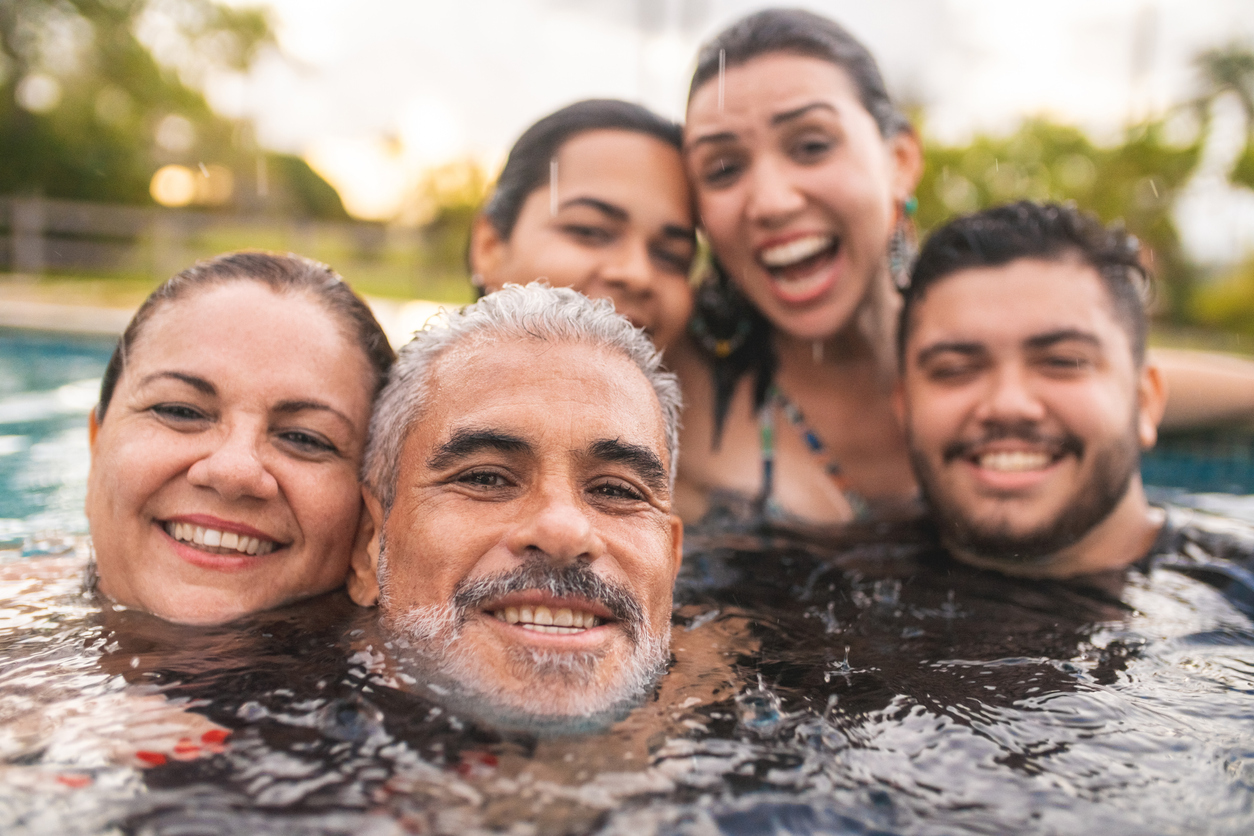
(630, 270)
(773, 197)
(234, 468)
(558, 526)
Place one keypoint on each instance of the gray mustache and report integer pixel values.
(575, 580)
(1058, 445)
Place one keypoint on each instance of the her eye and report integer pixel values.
(588, 234)
(178, 412)
(671, 262)
(721, 171)
(811, 148)
(308, 441)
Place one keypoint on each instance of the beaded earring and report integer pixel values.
(903, 246)
(722, 319)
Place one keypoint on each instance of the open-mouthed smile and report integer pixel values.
(215, 541)
(800, 268)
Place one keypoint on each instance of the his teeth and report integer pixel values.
(1017, 461)
(543, 616)
(525, 614)
(795, 251)
(542, 620)
(511, 615)
(564, 618)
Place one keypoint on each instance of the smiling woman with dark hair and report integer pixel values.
(228, 438)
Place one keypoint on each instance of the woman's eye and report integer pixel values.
(721, 171)
(672, 262)
(308, 441)
(618, 490)
(178, 413)
(583, 233)
(811, 148)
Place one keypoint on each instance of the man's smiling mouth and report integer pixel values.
(541, 619)
(1015, 461)
(218, 542)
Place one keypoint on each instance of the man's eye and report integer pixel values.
(483, 479)
(614, 489)
(1065, 364)
(943, 372)
(178, 413)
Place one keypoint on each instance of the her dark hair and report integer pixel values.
(527, 167)
(735, 335)
(798, 32)
(282, 273)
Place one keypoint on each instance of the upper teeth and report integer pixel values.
(543, 620)
(1014, 461)
(794, 251)
(222, 540)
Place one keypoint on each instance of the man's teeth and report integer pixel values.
(223, 541)
(1017, 461)
(785, 255)
(543, 620)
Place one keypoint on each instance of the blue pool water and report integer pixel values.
(859, 686)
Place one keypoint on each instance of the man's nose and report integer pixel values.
(557, 524)
(1011, 396)
(234, 467)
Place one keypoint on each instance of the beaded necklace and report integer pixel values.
(814, 444)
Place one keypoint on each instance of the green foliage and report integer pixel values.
(88, 112)
(1228, 304)
(1136, 182)
(449, 199)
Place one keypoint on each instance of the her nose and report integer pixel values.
(773, 197)
(629, 271)
(556, 524)
(234, 468)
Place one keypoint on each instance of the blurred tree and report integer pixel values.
(445, 206)
(1229, 70)
(1135, 182)
(88, 112)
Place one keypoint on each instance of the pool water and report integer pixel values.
(866, 685)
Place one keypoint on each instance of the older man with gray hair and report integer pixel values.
(518, 481)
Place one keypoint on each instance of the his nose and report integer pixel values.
(234, 468)
(556, 524)
(1010, 398)
(773, 197)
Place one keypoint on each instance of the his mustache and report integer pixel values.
(575, 580)
(1057, 445)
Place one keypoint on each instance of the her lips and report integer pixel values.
(220, 542)
(795, 251)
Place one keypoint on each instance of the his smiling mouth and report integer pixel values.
(1015, 461)
(218, 542)
(541, 619)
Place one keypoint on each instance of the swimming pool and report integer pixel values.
(867, 686)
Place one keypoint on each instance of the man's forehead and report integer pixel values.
(1014, 302)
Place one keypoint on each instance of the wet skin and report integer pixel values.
(1018, 421)
(623, 231)
(531, 452)
(241, 412)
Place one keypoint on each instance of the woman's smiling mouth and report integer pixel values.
(800, 268)
(215, 541)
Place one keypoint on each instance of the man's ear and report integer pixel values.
(93, 428)
(677, 545)
(487, 252)
(363, 570)
(1151, 401)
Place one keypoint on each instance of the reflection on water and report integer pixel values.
(869, 687)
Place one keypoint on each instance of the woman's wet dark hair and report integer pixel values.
(798, 32)
(527, 167)
(282, 273)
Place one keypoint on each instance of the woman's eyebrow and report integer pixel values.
(292, 407)
(197, 383)
(797, 112)
(617, 213)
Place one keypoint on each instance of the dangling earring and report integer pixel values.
(722, 319)
(903, 246)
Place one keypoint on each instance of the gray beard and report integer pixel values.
(1113, 469)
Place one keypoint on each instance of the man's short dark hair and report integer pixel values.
(1048, 232)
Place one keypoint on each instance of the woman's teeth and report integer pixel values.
(543, 620)
(794, 252)
(220, 542)
(1017, 461)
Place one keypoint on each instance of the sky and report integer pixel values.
(375, 92)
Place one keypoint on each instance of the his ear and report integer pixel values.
(1152, 400)
(363, 569)
(93, 428)
(487, 252)
(677, 546)
(907, 153)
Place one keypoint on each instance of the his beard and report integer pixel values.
(1113, 467)
(565, 684)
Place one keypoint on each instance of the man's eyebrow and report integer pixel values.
(788, 115)
(465, 443)
(969, 349)
(293, 407)
(643, 461)
(1052, 338)
(617, 213)
(197, 383)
